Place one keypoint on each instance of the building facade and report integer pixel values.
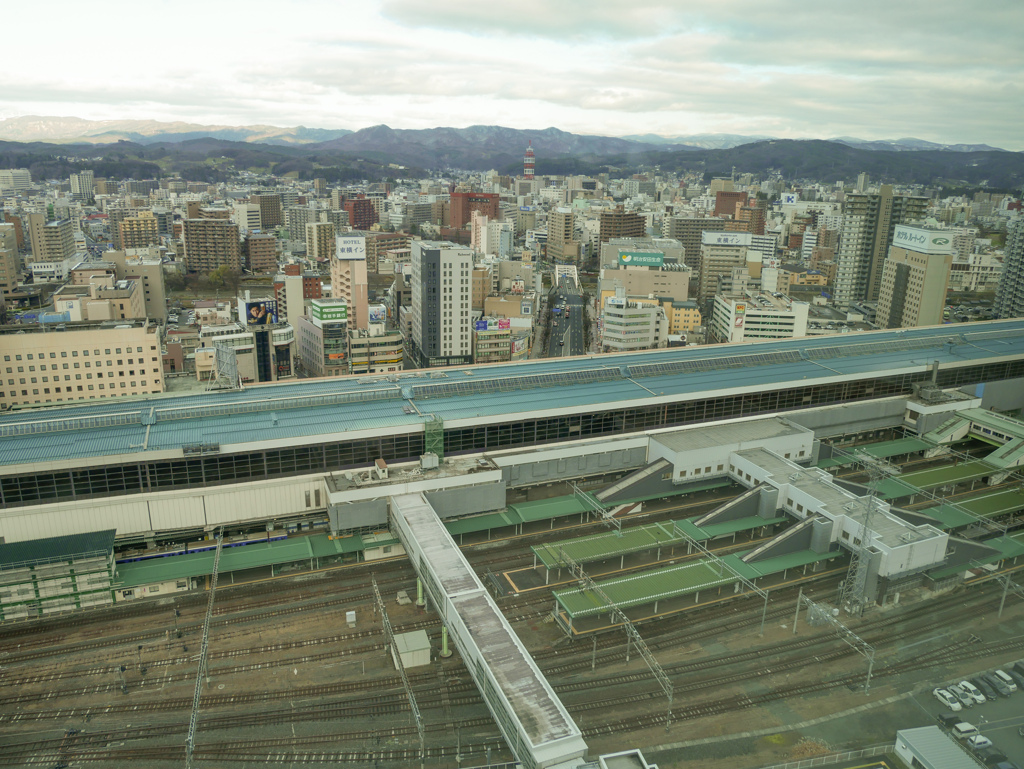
(1009, 302)
(441, 304)
(211, 243)
(915, 278)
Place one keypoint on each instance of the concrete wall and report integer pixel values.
(851, 417)
(354, 515)
(1007, 395)
(568, 461)
(467, 500)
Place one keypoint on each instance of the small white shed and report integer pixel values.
(413, 648)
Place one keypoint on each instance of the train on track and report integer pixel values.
(240, 540)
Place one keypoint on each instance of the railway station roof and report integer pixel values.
(70, 547)
(712, 530)
(995, 502)
(168, 424)
(779, 563)
(639, 589)
(911, 483)
(948, 516)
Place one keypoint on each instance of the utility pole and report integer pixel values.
(190, 738)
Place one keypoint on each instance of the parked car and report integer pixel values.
(985, 687)
(963, 730)
(947, 699)
(978, 741)
(949, 720)
(974, 691)
(1002, 689)
(1017, 677)
(1006, 678)
(964, 698)
(990, 756)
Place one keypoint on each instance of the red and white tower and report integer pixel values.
(528, 161)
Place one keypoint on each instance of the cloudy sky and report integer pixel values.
(874, 69)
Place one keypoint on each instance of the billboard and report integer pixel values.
(480, 325)
(741, 309)
(518, 345)
(788, 198)
(260, 312)
(726, 238)
(378, 313)
(332, 311)
(526, 309)
(504, 323)
(921, 240)
(518, 286)
(642, 258)
(350, 247)
(492, 324)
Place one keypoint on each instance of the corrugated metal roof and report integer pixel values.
(1005, 338)
(52, 549)
(936, 747)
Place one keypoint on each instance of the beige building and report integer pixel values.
(560, 244)
(915, 277)
(375, 350)
(79, 361)
(51, 241)
(261, 253)
(145, 266)
(322, 338)
(349, 280)
(753, 315)
(9, 271)
(320, 240)
(720, 254)
(139, 231)
(103, 299)
(210, 243)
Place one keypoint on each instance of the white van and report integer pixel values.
(963, 730)
(1006, 679)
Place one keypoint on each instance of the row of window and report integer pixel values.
(213, 470)
(74, 353)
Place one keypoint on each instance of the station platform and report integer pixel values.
(681, 587)
(883, 450)
(912, 483)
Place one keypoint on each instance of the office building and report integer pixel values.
(642, 271)
(362, 214)
(15, 179)
(721, 253)
(688, 230)
(441, 302)
(869, 221)
(727, 202)
(463, 204)
(915, 278)
(1009, 302)
(82, 188)
(10, 272)
(262, 352)
(375, 349)
(322, 343)
(79, 361)
(246, 216)
(629, 325)
(210, 243)
(621, 224)
(144, 266)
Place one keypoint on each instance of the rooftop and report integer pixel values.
(321, 409)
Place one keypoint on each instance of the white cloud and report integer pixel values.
(876, 69)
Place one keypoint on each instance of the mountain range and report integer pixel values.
(73, 130)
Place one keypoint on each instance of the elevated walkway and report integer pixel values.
(535, 724)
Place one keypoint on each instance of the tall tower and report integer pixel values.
(528, 162)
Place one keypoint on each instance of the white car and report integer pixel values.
(974, 691)
(965, 699)
(978, 742)
(948, 700)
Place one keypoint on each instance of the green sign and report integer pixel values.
(329, 312)
(642, 258)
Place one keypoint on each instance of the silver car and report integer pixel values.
(965, 699)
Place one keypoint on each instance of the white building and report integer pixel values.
(628, 325)
(441, 304)
(757, 315)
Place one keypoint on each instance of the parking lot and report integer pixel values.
(997, 719)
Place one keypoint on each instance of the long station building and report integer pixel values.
(411, 453)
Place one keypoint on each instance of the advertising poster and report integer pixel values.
(261, 312)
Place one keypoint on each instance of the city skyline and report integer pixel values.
(877, 71)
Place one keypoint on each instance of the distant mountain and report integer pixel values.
(73, 130)
(728, 141)
(479, 146)
(700, 141)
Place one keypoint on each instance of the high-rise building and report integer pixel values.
(721, 253)
(463, 204)
(441, 296)
(348, 277)
(82, 188)
(139, 231)
(561, 243)
(323, 338)
(261, 253)
(1009, 301)
(529, 161)
(51, 241)
(727, 201)
(209, 243)
(12, 179)
(362, 214)
(915, 278)
(271, 210)
(869, 221)
(621, 224)
(688, 231)
(320, 241)
(9, 272)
